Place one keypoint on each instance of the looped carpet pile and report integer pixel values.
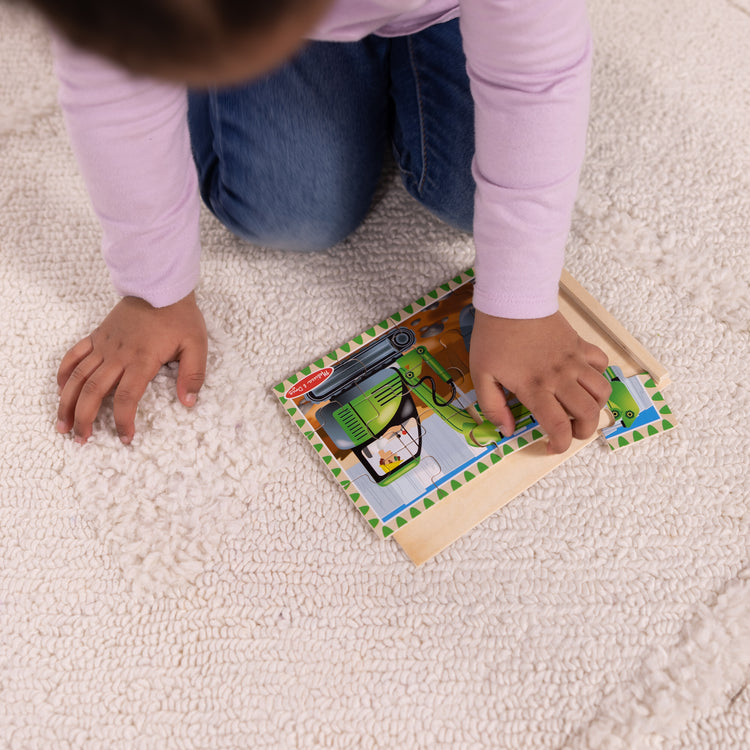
(210, 587)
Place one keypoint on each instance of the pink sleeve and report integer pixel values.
(131, 140)
(529, 65)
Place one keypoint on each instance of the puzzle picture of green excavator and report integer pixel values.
(394, 415)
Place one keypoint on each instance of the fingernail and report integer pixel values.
(190, 399)
(504, 431)
(61, 426)
(80, 440)
(126, 439)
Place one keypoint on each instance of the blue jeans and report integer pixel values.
(292, 160)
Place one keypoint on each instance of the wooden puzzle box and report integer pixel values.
(394, 416)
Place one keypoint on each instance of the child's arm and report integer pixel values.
(529, 64)
(132, 144)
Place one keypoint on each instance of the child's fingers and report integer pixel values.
(129, 392)
(71, 390)
(97, 385)
(494, 405)
(597, 385)
(72, 358)
(191, 372)
(595, 356)
(553, 418)
(582, 407)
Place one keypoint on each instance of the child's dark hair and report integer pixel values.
(138, 32)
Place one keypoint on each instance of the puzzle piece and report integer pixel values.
(388, 502)
(454, 357)
(377, 420)
(638, 408)
(433, 329)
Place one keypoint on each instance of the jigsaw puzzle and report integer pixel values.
(394, 415)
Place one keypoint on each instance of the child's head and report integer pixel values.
(198, 41)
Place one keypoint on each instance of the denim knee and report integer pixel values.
(433, 138)
(292, 160)
(452, 202)
(307, 224)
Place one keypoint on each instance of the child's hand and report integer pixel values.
(124, 354)
(555, 373)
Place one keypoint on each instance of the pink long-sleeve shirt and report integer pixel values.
(529, 64)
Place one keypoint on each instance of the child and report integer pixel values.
(484, 103)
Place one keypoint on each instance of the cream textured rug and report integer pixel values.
(211, 587)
